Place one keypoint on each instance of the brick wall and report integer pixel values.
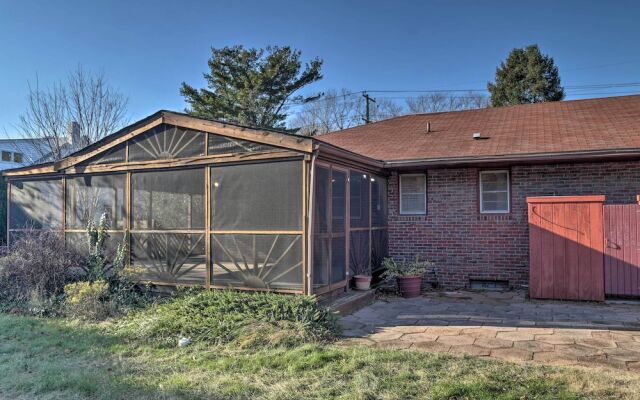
(466, 245)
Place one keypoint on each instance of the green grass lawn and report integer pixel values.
(58, 359)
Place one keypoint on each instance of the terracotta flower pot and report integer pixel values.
(363, 282)
(410, 286)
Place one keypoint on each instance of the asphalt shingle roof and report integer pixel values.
(555, 127)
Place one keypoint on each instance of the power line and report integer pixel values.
(361, 92)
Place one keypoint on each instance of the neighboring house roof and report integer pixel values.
(29, 148)
(604, 125)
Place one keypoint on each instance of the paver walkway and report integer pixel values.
(503, 325)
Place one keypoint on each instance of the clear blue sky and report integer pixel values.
(147, 48)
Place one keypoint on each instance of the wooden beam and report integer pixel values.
(47, 169)
(183, 162)
(230, 232)
(301, 143)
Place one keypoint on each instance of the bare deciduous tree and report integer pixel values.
(444, 101)
(341, 110)
(84, 98)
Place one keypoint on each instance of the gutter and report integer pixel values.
(596, 155)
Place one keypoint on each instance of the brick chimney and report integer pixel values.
(73, 134)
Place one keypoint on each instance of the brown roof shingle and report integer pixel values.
(555, 127)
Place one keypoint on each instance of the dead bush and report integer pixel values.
(37, 266)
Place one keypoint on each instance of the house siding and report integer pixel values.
(465, 244)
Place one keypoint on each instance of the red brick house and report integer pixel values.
(458, 181)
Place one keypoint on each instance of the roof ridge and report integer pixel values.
(483, 109)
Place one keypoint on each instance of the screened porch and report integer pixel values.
(202, 203)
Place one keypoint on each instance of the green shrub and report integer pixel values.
(223, 316)
(87, 300)
(404, 268)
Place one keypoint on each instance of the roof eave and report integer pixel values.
(334, 153)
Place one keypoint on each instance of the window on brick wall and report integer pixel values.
(494, 192)
(413, 194)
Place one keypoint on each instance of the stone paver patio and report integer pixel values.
(503, 325)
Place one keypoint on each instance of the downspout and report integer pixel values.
(314, 155)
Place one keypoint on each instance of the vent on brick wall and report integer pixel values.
(488, 284)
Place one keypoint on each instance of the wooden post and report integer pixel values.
(8, 211)
(128, 216)
(307, 284)
(369, 178)
(207, 224)
(64, 207)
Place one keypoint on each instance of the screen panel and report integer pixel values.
(338, 201)
(219, 144)
(89, 196)
(378, 201)
(168, 199)
(321, 258)
(166, 142)
(80, 242)
(114, 155)
(379, 247)
(36, 204)
(257, 261)
(262, 196)
(321, 200)
(338, 259)
(177, 258)
(359, 255)
(359, 199)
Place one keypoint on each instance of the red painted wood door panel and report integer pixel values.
(566, 247)
(621, 260)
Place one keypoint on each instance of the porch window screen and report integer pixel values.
(321, 226)
(494, 191)
(360, 208)
(338, 225)
(256, 220)
(169, 257)
(261, 196)
(359, 252)
(114, 155)
(413, 194)
(219, 144)
(168, 226)
(379, 242)
(166, 142)
(329, 236)
(36, 204)
(168, 199)
(379, 250)
(359, 199)
(378, 201)
(257, 261)
(79, 241)
(89, 196)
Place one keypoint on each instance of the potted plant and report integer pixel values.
(408, 274)
(362, 278)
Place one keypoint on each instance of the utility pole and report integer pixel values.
(367, 99)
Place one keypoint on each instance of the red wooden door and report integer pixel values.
(621, 260)
(566, 245)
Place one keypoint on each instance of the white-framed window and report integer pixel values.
(413, 194)
(494, 192)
